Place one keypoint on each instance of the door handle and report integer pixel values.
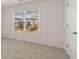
(75, 33)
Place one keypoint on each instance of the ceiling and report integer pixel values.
(5, 3)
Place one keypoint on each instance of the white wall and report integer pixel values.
(51, 23)
(2, 21)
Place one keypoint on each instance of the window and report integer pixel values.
(27, 20)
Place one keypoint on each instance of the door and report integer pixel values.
(71, 28)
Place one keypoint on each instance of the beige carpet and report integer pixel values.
(16, 49)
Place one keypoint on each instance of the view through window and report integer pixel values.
(27, 20)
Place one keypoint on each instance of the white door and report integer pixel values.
(71, 28)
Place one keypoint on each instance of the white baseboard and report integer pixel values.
(37, 42)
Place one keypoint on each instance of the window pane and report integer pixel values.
(18, 25)
(18, 21)
(32, 20)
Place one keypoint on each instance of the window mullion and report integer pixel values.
(24, 21)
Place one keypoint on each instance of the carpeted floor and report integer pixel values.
(16, 49)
